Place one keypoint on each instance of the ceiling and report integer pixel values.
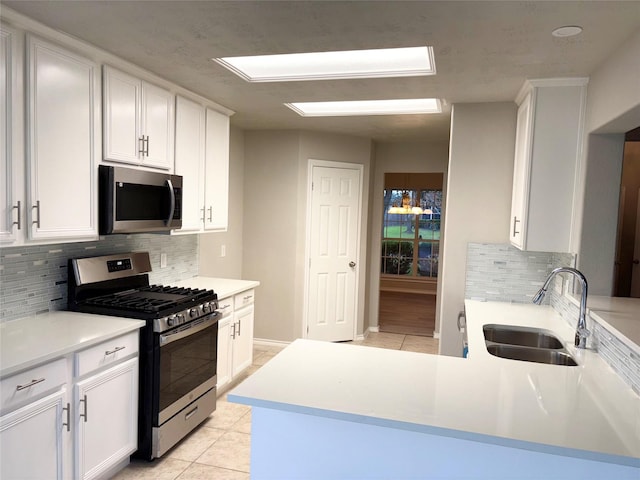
(483, 50)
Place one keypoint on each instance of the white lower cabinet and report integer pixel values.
(106, 406)
(32, 439)
(74, 417)
(235, 337)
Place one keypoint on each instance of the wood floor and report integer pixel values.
(407, 313)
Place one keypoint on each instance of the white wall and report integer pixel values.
(478, 200)
(275, 209)
(399, 157)
(613, 108)
(212, 264)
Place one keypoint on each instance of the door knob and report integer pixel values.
(352, 264)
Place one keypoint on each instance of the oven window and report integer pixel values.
(187, 363)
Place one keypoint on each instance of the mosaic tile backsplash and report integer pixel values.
(33, 279)
(498, 272)
(502, 273)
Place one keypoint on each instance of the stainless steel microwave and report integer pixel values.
(133, 201)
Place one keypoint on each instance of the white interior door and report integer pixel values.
(333, 247)
(635, 272)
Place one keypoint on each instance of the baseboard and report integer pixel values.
(374, 329)
(270, 343)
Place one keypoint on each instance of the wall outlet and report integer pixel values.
(163, 260)
(223, 250)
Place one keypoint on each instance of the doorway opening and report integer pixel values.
(627, 263)
(410, 253)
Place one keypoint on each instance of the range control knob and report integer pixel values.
(171, 321)
(206, 307)
(179, 319)
(193, 312)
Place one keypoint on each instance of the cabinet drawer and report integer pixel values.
(33, 383)
(225, 306)
(106, 353)
(243, 299)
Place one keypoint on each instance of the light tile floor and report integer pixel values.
(219, 448)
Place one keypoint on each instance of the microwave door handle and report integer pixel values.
(173, 201)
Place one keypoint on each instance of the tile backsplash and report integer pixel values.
(502, 273)
(33, 279)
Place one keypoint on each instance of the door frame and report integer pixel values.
(311, 164)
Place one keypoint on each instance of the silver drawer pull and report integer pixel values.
(190, 414)
(30, 384)
(111, 352)
(248, 297)
(228, 305)
(68, 422)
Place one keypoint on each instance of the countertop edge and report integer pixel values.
(439, 431)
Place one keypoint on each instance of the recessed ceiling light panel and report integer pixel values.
(384, 62)
(407, 106)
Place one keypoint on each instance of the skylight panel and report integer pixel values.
(374, 63)
(367, 107)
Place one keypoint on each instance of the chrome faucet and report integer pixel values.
(581, 330)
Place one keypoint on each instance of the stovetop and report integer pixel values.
(152, 299)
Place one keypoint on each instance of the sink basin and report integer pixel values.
(527, 354)
(523, 336)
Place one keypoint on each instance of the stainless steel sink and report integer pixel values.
(529, 354)
(524, 336)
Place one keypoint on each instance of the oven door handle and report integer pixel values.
(210, 320)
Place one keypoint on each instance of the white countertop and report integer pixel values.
(620, 315)
(585, 412)
(31, 341)
(223, 287)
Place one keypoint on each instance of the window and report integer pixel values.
(410, 242)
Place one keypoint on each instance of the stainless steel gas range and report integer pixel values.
(178, 345)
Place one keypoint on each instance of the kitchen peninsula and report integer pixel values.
(323, 410)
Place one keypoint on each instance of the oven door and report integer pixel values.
(187, 357)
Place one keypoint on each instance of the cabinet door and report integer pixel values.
(243, 343)
(64, 139)
(223, 370)
(189, 162)
(122, 136)
(158, 126)
(521, 166)
(11, 201)
(217, 171)
(32, 439)
(106, 407)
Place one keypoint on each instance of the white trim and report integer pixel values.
(307, 247)
(436, 334)
(270, 343)
(374, 329)
(531, 83)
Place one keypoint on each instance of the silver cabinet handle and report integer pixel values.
(172, 201)
(352, 264)
(224, 307)
(141, 146)
(146, 149)
(37, 207)
(84, 415)
(248, 297)
(111, 352)
(19, 222)
(233, 334)
(239, 321)
(30, 384)
(190, 414)
(68, 422)
(210, 213)
(515, 220)
(202, 218)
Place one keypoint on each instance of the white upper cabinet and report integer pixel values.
(548, 143)
(202, 158)
(138, 121)
(190, 147)
(63, 138)
(11, 160)
(216, 171)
